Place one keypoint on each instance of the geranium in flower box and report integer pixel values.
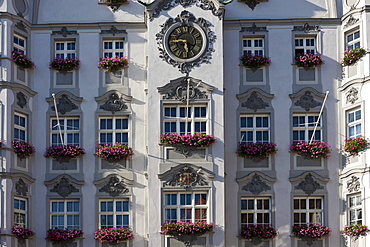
(310, 231)
(63, 236)
(113, 236)
(356, 145)
(64, 65)
(64, 153)
(355, 230)
(257, 233)
(22, 233)
(308, 60)
(188, 140)
(23, 149)
(114, 4)
(351, 56)
(256, 151)
(113, 64)
(315, 149)
(186, 228)
(22, 61)
(114, 153)
(254, 61)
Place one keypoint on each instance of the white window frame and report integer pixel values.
(17, 46)
(192, 119)
(357, 122)
(307, 127)
(113, 51)
(305, 43)
(20, 211)
(65, 213)
(18, 127)
(253, 46)
(54, 131)
(307, 211)
(115, 213)
(114, 131)
(257, 211)
(254, 129)
(354, 208)
(65, 51)
(192, 207)
(353, 39)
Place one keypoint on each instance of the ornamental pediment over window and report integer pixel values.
(186, 176)
(307, 98)
(114, 185)
(255, 99)
(114, 101)
(256, 183)
(184, 89)
(65, 102)
(309, 182)
(64, 185)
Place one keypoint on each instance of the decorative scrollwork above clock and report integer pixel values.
(186, 42)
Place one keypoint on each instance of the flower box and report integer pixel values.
(314, 150)
(22, 61)
(356, 145)
(113, 236)
(63, 236)
(355, 230)
(177, 229)
(114, 153)
(64, 153)
(189, 140)
(113, 64)
(64, 65)
(308, 61)
(22, 233)
(352, 56)
(256, 151)
(257, 233)
(254, 61)
(23, 149)
(310, 232)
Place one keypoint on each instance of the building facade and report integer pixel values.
(184, 76)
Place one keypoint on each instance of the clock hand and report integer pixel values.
(178, 40)
(186, 47)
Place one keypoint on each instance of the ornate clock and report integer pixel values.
(185, 42)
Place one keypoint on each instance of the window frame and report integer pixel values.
(17, 46)
(193, 206)
(65, 214)
(65, 131)
(257, 45)
(18, 211)
(307, 128)
(307, 211)
(354, 123)
(20, 127)
(307, 48)
(65, 52)
(255, 211)
(355, 42)
(115, 213)
(114, 130)
(357, 208)
(113, 50)
(254, 129)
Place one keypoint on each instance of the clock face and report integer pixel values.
(185, 42)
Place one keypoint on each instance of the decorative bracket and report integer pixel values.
(64, 185)
(22, 99)
(64, 32)
(113, 101)
(307, 182)
(353, 185)
(256, 185)
(306, 98)
(255, 99)
(66, 102)
(352, 95)
(306, 28)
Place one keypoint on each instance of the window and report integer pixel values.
(113, 130)
(255, 211)
(253, 46)
(304, 45)
(20, 212)
(353, 40)
(354, 123)
(355, 209)
(186, 207)
(114, 213)
(177, 121)
(64, 49)
(113, 48)
(308, 210)
(20, 127)
(254, 128)
(303, 127)
(19, 44)
(69, 127)
(65, 214)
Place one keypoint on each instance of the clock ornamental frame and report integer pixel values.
(185, 42)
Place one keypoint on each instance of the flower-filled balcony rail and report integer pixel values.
(313, 150)
(308, 61)
(22, 61)
(188, 140)
(114, 153)
(256, 151)
(22, 233)
(64, 153)
(254, 61)
(113, 236)
(355, 231)
(64, 65)
(352, 56)
(179, 229)
(356, 145)
(310, 232)
(113, 64)
(63, 236)
(23, 150)
(257, 233)
(114, 4)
